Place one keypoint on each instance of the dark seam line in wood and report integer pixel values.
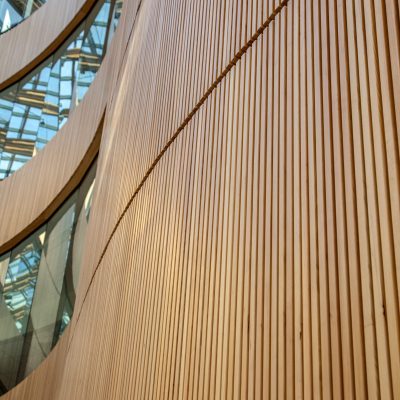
(223, 74)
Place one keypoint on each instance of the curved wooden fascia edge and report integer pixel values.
(26, 206)
(34, 192)
(59, 192)
(24, 47)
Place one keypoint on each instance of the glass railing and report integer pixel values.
(32, 111)
(38, 280)
(12, 12)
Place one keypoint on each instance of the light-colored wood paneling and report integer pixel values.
(245, 232)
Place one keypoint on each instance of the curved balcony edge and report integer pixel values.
(59, 168)
(34, 192)
(37, 38)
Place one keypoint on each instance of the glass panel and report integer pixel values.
(15, 304)
(32, 111)
(40, 278)
(4, 260)
(49, 289)
(21, 277)
(93, 50)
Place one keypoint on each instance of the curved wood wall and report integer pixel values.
(244, 239)
(33, 40)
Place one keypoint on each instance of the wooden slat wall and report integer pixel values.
(245, 235)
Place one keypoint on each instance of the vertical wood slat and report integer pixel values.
(256, 256)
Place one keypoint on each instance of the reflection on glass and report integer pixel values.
(32, 111)
(4, 261)
(21, 277)
(12, 12)
(40, 279)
